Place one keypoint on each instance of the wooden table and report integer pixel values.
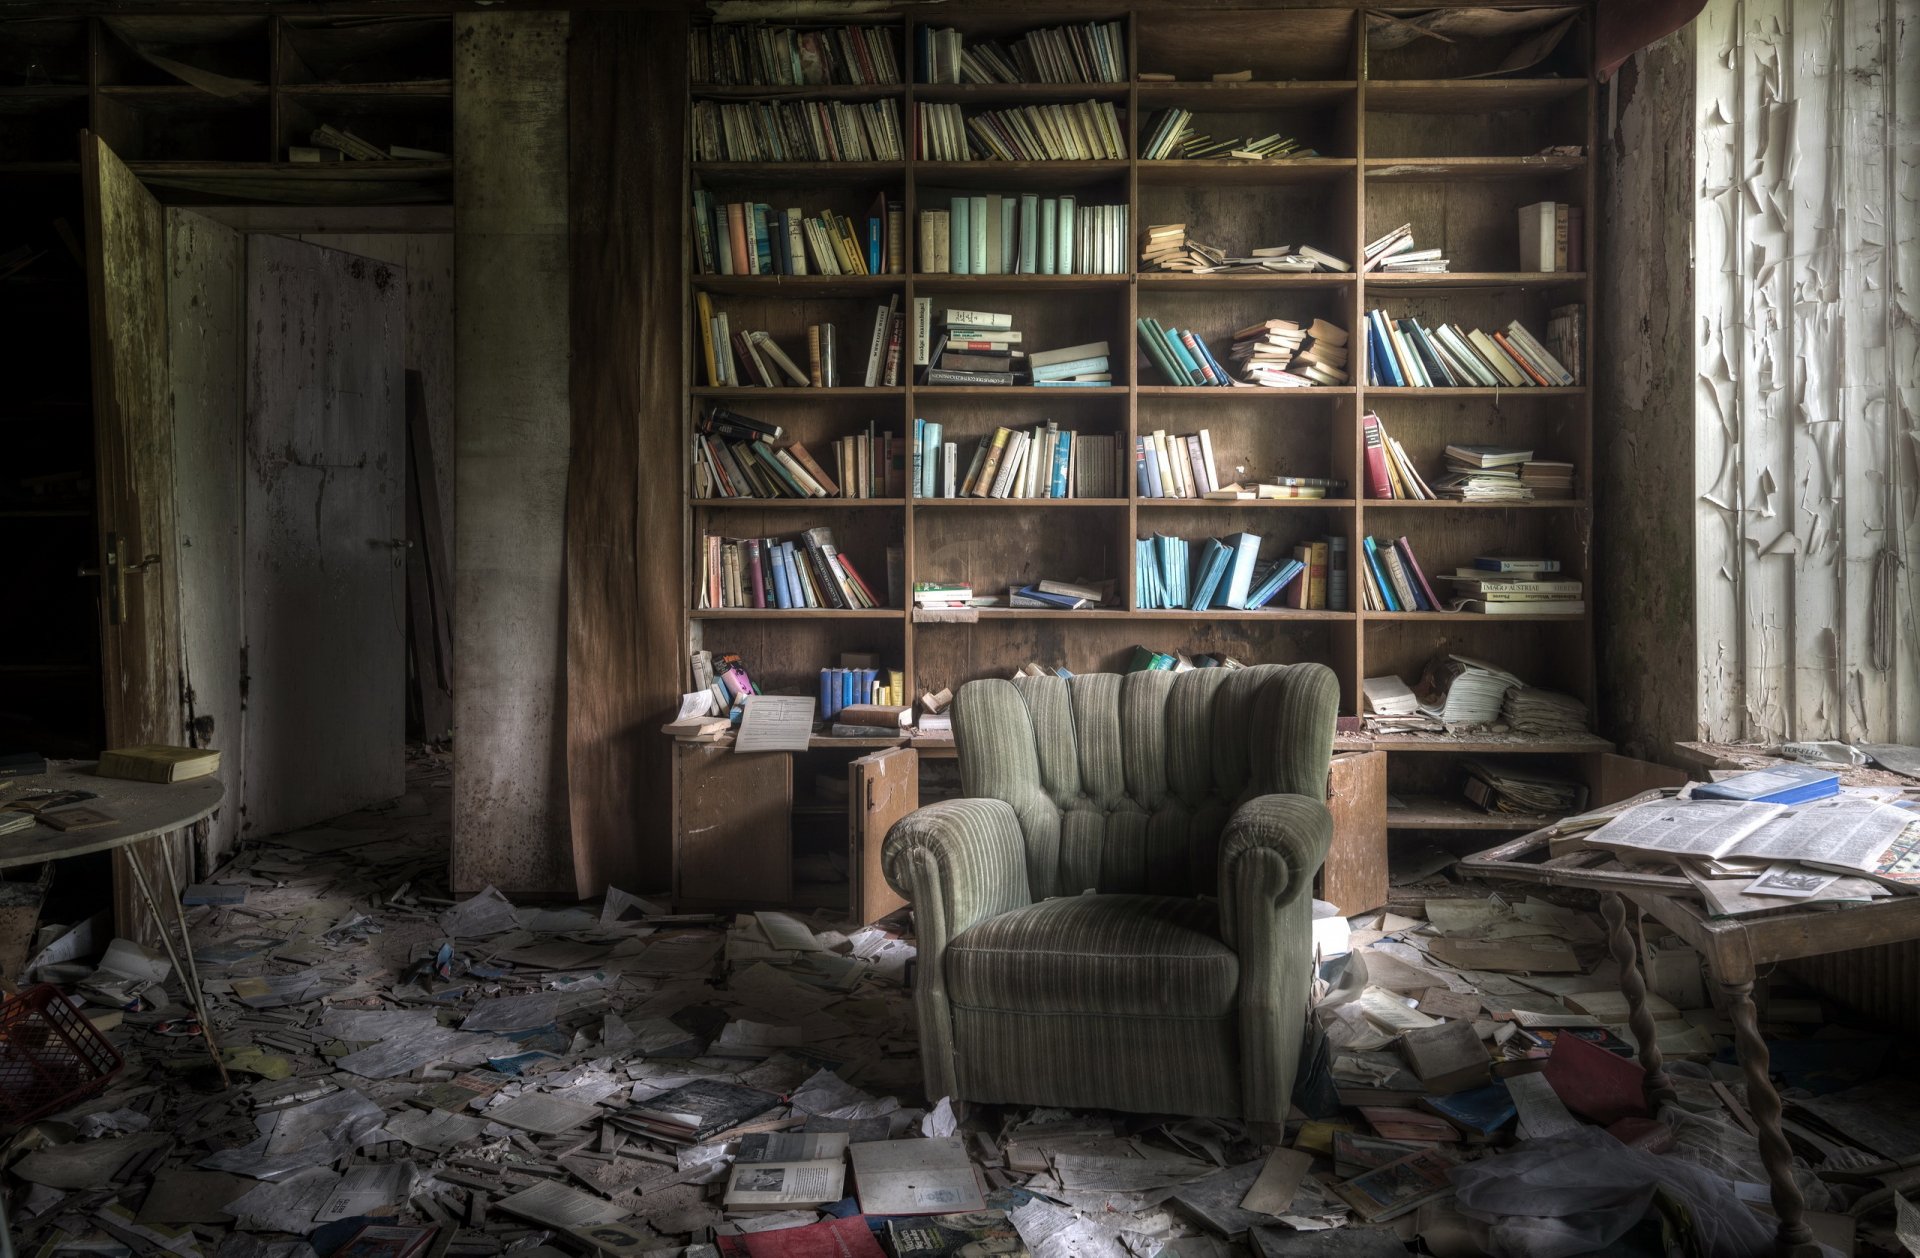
(1734, 948)
(142, 812)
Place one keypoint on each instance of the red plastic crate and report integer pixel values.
(50, 1056)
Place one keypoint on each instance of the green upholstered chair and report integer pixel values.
(1193, 805)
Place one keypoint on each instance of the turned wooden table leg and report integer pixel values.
(1624, 944)
(1794, 1236)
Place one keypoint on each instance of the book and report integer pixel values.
(1239, 576)
(156, 762)
(920, 1176)
(386, 1241)
(65, 819)
(1405, 1184)
(971, 1235)
(693, 1111)
(783, 1185)
(1785, 784)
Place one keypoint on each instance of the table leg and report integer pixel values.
(1794, 1236)
(189, 975)
(1624, 944)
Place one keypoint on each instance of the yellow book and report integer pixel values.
(704, 306)
(991, 468)
(158, 763)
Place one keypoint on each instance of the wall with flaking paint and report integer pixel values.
(1643, 413)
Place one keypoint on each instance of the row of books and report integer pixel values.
(808, 571)
(1145, 659)
(1228, 573)
(1167, 247)
(1551, 237)
(1080, 131)
(1093, 53)
(1396, 254)
(735, 54)
(796, 131)
(1281, 354)
(1393, 580)
(1023, 234)
(1404, 353)
(1048, 595)
(753, 238)
(1044, 462)
(1169, 137)
(843, 688)
(734, 461)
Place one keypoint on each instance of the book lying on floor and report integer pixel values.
(978, 1232)
(693, 1111)
(782, 1185)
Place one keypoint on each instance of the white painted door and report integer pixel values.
(325, 577)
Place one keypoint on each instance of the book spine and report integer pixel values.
(922, 330)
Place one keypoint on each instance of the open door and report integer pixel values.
(133, 465)
(883, 788)
(1355, 874)
(325, 540)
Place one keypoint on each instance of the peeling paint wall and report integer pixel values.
(1807, 175)
(1643, 414)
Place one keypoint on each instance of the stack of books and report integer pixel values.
(1515, 586)
(1543, 713)
(1281, 353)
(1181, 356)
(1550, 237)
(1391, 579)
(968, 347)
(1094, 53)
(1167, 247)
(1275, 487)
(1023, 234)
(1390, 473)
(808, 571)
(1170, 138)
(942, 594)
(797, 131)
(1402, 353)
(1396, 254)
(1043, 462)
(1484, 474)
(1081, 131)
(1084, 366)
(1547, 478)
(1066, 596)
(753, 238)
(1503, 787)
(730, 54)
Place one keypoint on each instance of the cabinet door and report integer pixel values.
(1355, 875)
(882, 788)
(733, 838)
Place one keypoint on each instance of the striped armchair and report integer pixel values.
(1193, 804)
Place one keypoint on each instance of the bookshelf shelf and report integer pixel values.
(1451, 156)
(1479, 279)
(793, 613)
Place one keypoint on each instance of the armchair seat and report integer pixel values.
(1141, 956)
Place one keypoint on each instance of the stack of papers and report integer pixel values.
(1459, 690)
(1545, 713)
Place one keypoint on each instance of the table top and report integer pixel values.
(1734, 944)
(140, 811)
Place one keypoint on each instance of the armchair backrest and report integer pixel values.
(1123, 782)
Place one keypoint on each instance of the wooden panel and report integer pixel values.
(624, 581)
(733, 829)
(134, 468)
(1355, 875)
(1612, 778)
(882, 789)
(324, 489)
(205, 323)
(510, 118)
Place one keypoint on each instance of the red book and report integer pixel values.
(755, 575)
(745, 255)
(1379, 484)
(846, 566)
(835, 1238)
(1594, 1083)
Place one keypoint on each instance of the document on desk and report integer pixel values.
(775, 723)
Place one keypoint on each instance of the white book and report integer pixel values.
(1010, 462)
(1536, 236)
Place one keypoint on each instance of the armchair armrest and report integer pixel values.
(957, 862)
(1269, 852)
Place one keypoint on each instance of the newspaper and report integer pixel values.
(1684, 827)
(1848, 833)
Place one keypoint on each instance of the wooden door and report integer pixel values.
(133, 465)
(882, 788)
(325, 535)
(733, 832)
(1355, 875)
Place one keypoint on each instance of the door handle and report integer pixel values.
(115, 571)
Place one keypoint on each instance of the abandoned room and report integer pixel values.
(917, 629)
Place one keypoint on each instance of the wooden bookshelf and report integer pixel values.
(1401, 137)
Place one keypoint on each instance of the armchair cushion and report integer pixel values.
(1117, 955)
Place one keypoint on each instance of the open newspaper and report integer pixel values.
(1851, 834)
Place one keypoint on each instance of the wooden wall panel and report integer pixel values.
(626, 110)
(509, 762)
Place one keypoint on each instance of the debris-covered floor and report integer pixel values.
(411, 1076)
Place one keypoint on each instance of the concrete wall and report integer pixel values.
(1644, 407)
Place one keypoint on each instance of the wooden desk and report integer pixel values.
(1734, 949)
(142, 812)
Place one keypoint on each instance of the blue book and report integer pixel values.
(849, 684)
(919, 457)
(829, 694)
(1239, 578)
(958, 237)
(1213, 565)
(1062, 453)
(1039, 595)
(782, 592)
(1380, 576)
(762, 242)
(1073, 384)
(1154, 488)
(1388, 359)
(873, 246)
(864, 691)
(1276, 581)
(1785, 784)
(930, 462)
(1182, 357)
(1053, 371)
(1226, 380)
(796, 584)
(1480, 1111)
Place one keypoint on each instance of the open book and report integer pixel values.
(1851, 834)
